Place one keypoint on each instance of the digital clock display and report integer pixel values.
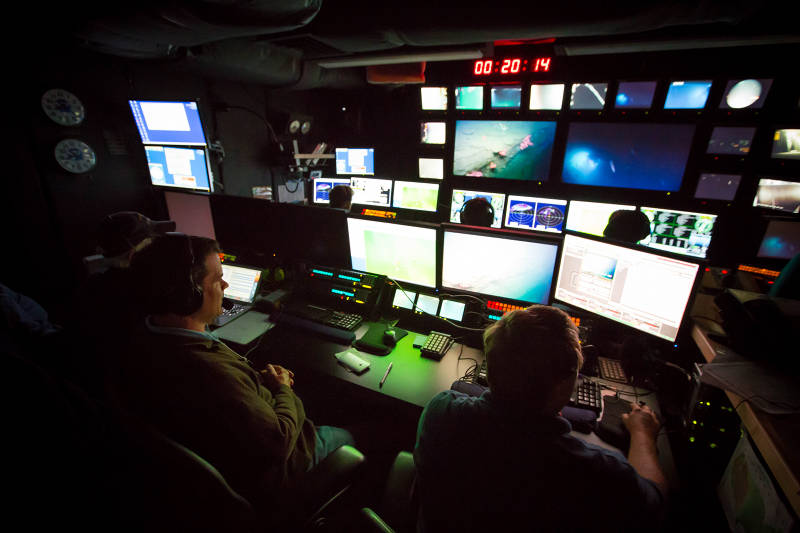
(511, 65)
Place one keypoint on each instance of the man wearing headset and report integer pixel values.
(477, 211)
(181, 378)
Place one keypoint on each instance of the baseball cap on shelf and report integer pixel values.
(122, 231)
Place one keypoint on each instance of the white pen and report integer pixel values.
(388, 369)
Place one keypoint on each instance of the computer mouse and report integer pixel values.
(389, 337)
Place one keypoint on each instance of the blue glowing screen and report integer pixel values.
(687, 95)
(632, 156)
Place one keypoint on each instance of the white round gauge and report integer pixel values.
(75, 156)
(305, 128)
(294, 126)
(63, 107)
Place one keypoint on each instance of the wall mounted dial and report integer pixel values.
(63, 107)
(75, 156)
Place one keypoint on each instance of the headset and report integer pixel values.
(184, 296)
(477, 211)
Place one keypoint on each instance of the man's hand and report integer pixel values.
(275, 375)
(641, 421)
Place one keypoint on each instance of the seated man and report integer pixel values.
(505, 461)
(187, 383)
(477, 212)
(341, 197)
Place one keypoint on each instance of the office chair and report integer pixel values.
(399, 504)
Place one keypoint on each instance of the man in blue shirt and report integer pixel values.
(505, 461)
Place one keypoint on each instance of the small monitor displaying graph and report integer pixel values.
(540, 214)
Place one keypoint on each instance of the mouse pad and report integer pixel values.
(611, 428)
(372, 340)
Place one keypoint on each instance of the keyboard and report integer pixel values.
(436, 345)
(611, 369)
(229, 314)
(587, 395)
(325, 316)
(345, 321)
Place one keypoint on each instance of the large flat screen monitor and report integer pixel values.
(174, 123)
(460, 197)
(400, 251)
(173, 166)
(360, 161)
(680, 232)
(641, 289)
(632, 156)
(781, 240)
(371, 191)
(591, 217)
(508, 149)
(780, 195)
(498, 266)
(323, 186)
(531, 213)
(415, 195)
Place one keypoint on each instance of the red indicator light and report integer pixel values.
(724, 271)
(708, 269)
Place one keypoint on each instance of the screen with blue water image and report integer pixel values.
(781, 240)
(687, 94)
(632, 156)
(506, 97)
(508, 149)
(542, 214)
(498, 266)
(635, 94)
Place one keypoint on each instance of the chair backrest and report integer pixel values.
(400, 501)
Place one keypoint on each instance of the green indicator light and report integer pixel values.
(722, 430)
(712, 445)
(691, 439)
(708, 403)
(694, 422)
(702, 424)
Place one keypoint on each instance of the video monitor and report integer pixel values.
(433, 98)
(323, 186)
(359, 161)
(588, 96)
(501, 267)
(786, 144)
(506, 97)
(469, 98)
(592, 217)
(415, 195)
(427, 304)
(781, 240)
(631, 156)
(191, 213)
(635, 94)
(638, 288)
(431, 168)
(730, 141)
(452, 310)
(547, 96)
(404, 299)
(433, 132)
(400, 251)
(780, 195)
(679, 232)
(717, 186)
(172, 166)
(745, 94)
(173, 123)
(460, 197)
(371, 191)
(531, 213)
(687, 94)
(506, 149)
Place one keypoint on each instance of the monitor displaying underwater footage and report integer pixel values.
(469, 98)
(547, 96)
(679, 232)
(173, 166)
(730, 140)
(400, 251)
(506, 97)
(531, 213)
(506, 149)
(323, 186)
(745, 94)
(781, 240)
(638, 288)
(687, 94)
(588, 96)
(779, 195)
(173, 123)
(415, 195)
(631, 156)
(460, 197)
(359, 161)
(717, 186)
(635, 94)
(433, 132)
(499, 266)
(786, 144)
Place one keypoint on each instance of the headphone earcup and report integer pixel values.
(187, 296)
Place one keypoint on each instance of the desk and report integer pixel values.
(776, 437)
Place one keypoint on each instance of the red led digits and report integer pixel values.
(483, 66)
(510, 65)
(542, 64)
